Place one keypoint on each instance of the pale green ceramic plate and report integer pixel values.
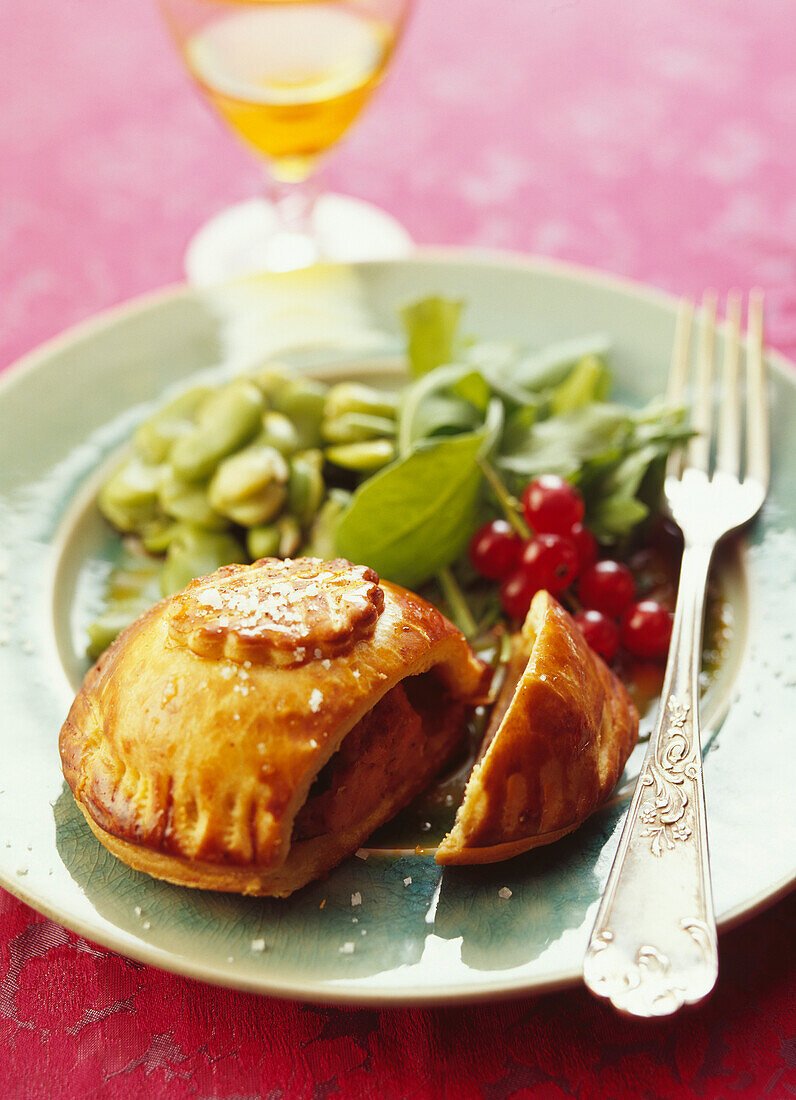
(418, 935)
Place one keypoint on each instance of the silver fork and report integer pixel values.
(653, 946)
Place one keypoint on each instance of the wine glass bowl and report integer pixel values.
(288, 77)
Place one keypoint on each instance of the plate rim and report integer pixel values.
(481, 256)
(341, 993)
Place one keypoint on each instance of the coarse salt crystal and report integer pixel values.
(211, 597)
(504, 893)
(408, 880)
(356, 898)
(347, 948)
(316, 698)
(258, 945)
(356, 673)
(326, 663)
(313, 743)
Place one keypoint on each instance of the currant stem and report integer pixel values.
(508, 503)
(460, 609)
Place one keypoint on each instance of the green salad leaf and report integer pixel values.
(400, 480)
(447, 400)
(563, 444)
(414, 518)
(532, 414)
(431, 326)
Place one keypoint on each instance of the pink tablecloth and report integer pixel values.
(651, 139)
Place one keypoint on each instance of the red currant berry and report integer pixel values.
(646, 629)
(516, 593)
(601, 633)
(495, 549)
(585, 544)
(549, 561)
(551, 505)
(606, 586)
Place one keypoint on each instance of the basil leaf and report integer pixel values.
(431, 326)
(415, 517)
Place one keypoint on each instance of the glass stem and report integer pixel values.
(293, 243)
(293, 204)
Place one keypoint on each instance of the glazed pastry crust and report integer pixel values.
(192, 765)
(560, 734)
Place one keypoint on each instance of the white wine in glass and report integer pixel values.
(289, 77)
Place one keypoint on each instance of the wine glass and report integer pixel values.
(289, 77)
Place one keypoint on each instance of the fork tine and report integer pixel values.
(757, 441)
(702, 415)
(678, 373)
(728, 450)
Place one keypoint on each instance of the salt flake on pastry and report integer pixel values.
(278, 612)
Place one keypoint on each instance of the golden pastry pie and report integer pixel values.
(559, 735)
(251, 732)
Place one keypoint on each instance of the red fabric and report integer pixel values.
(651, 139)
(77, 1021)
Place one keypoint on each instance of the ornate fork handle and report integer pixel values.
(653, 947)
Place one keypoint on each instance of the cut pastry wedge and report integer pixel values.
(561, 731)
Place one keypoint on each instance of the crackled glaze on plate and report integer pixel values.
(417, 934)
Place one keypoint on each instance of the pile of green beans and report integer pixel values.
(260, 466)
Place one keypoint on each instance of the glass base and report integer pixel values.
(246, 238)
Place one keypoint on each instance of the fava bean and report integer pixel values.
(129, 498)
(155, 437)
(321, 542)
(189, 502)
(353, 397)
(111, 623)
(263, 542)
(305, 486)
(277, 431)
(356, 428)
(269, 380)
(157, 535)
(226, 422)
(363, 457)
(301, 400)
(195, 552)
(289, 536)
(250, 487)
(135, 582)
